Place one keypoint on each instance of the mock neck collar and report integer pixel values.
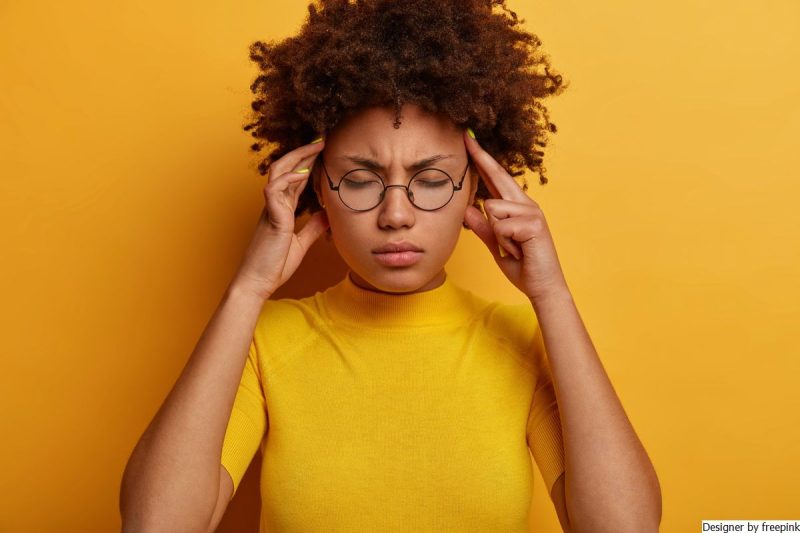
(351, 304)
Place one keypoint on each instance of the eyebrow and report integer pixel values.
(374, 165)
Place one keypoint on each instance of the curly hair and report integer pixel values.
(461, 58)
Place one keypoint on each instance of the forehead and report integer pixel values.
(371, 133)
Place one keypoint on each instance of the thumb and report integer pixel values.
(313, 228)
(480, 226)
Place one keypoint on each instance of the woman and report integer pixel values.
(396, 400)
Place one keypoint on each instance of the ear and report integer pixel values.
(316, 180)
(473, 183)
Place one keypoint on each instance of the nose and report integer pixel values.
(396, 210)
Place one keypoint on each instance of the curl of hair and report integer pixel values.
(462, 58)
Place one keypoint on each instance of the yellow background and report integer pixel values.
(128, 195)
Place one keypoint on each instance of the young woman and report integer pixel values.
(396, 400)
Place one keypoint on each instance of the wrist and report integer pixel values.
(242, 289)
(558, 294)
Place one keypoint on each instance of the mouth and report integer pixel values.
(402, 258)
(398, 253)
(401, 246)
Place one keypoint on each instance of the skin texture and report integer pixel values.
(371, 133)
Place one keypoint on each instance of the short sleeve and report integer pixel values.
(544, 423)
(248, 421)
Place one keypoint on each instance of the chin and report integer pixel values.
(395, 279)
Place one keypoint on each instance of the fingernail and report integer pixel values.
(502, 252)
(470, 133)
(318, 139)
(302, 170)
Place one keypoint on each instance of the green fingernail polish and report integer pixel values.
(470, 133)
(302, 170)
(318, 139)
(502, 251)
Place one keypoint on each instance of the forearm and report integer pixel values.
(171, 481)
(610, 482)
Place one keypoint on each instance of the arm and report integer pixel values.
(559, 497)
(173, 479)
(610, 483)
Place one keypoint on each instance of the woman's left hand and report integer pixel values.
(517, 224)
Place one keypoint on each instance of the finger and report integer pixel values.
(517, 230)
(498, 181)
(298, 187)
(482, 228)
(279, 211)
(489, 185)
(508, 208)
(280, 190)
(297, 181)
(275, 172)
(505, 209)
(290, 160)
(313, 228)
(505, 243)
(306, 162)
(485, 229)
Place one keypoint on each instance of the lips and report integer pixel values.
(394, 247)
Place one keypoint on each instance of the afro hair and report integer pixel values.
(462, 58)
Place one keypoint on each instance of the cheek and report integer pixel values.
(455, 216)
(348, 233)
(445, 231)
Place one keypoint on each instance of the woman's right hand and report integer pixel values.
(275, 251)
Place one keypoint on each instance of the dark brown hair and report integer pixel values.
(461, 58)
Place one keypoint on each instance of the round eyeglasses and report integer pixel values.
(362, 189)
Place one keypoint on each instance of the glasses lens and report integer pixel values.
(431, 189)
(361, 190)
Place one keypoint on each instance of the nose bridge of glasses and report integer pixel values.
(398, 185)
(404, 190)
(403, 179)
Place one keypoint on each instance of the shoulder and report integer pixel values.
(287, 321)
(514, 323)
(289, 309)
(516, 328)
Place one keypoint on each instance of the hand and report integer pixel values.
(517, 225)
(275, 251)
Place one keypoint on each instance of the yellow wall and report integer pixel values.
(128, 194)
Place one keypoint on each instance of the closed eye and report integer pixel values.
(433, 184)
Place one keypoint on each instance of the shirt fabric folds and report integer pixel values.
(380, 412)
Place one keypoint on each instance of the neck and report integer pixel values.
(434, 282)
(350, 303)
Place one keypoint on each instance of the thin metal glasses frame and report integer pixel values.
(383, 193)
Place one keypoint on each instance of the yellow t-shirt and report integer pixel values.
(379, 412)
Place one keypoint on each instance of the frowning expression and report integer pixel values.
(428, 147)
